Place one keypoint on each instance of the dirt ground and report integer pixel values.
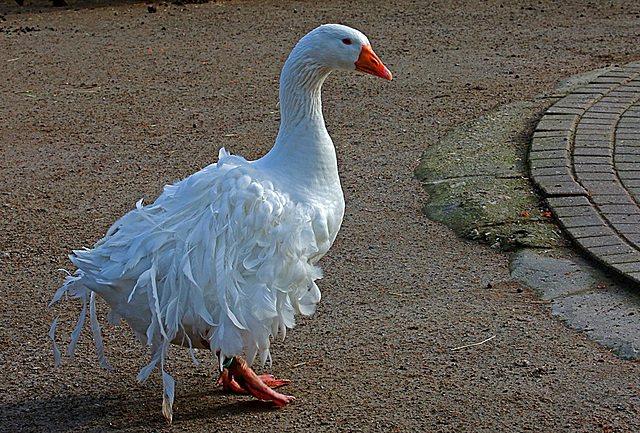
(102, 103)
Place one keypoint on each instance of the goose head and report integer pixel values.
(338, 47)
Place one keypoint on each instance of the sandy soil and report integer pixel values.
(102, 103)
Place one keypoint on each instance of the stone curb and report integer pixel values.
(585, 158)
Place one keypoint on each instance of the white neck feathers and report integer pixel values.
(303, 151)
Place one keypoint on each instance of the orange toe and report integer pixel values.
(239, 378)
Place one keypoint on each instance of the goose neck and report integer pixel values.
(303, 155)
(300, 95)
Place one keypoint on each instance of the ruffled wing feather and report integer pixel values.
(222, 260)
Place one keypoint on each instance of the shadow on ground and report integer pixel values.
(137, 409)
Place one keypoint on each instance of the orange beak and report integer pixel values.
(369, 63)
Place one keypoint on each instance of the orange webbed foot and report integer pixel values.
(241, 379)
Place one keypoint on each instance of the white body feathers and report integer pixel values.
(224, 258)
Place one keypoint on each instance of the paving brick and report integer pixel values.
(609, 108)
(566, 201)
(592, 159)
(633, 141)
(596, 121)
(554, 125)
(593, 151)
(618, 73)
(624, 209)
(551, 171)
(590, 141)
(566, 118)
(623, 99)
(572, 211)
(622, 135)
(594, 114)
(614, 79)
(628, 87)
(634, 109)
(589, 127)
(592, 219)
(627, 166)
(583, 99)
(548, 154)
(623, 198)
(617, 219)
(593, 88)
(633, 276)
(624, 223)
(633, 238)
(549, 143)
(629, 178)
(600, 134)
(586, 176)
(626, 157)
(628, 257)
(624, 149)
(628, 130)
(559, 185)
(549, 162)
(593, 168)
(627, 123)
(620, 247)
(624, 93)
(629, 68)
(630, 115)
(598, 241)
(589, 231)
(627, 141)
(635, 192)
(597, 187)
(631, 269)
(567, 109)
(555, 134)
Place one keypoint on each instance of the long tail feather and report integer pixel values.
(168, 395)
(56, 351)
(97, 335)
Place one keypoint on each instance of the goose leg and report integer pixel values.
(241, 379)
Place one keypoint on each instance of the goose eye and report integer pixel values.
(346, 41)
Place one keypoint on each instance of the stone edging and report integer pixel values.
(585, 158)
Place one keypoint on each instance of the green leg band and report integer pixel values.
(227, 363)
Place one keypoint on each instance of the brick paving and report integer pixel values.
(585, 158)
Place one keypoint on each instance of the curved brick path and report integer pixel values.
(585, 157)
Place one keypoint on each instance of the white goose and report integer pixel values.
(224, 258)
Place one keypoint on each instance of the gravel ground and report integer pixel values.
(105, 102)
